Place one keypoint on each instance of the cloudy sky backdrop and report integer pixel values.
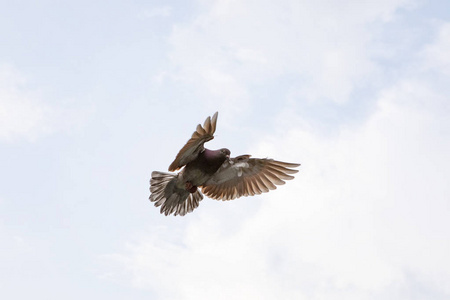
(95, 95)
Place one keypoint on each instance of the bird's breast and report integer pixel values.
(195, 176)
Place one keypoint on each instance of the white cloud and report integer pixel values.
(437, 53)
(366, 209)
(367, 212)
(21, 113)
(253, 42)
(24, 113)
(162, 11)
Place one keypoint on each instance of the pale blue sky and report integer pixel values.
(96, 95)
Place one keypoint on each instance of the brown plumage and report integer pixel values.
(219, 176)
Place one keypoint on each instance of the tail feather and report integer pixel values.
(172, 199)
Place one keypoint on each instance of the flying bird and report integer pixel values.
(218, 175)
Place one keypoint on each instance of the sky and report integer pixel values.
(96, 95)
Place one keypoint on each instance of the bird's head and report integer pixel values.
(225, 152)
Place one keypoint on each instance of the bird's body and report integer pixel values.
(204, 166)
(219, 176)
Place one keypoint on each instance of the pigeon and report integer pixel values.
(215, 173)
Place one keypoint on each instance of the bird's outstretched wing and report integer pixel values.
(194, 146)
(245, 176)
